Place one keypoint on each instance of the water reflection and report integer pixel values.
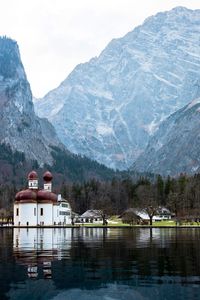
(36, 248)
(97, 263)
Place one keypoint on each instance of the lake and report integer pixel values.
(99, 264)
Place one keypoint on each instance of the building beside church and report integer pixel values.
(91, 216)
(40, 207)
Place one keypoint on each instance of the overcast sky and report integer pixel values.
(56, 35)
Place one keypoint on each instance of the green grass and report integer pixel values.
(164, 223)
(114, 221)
(101, 225)
(117, 222)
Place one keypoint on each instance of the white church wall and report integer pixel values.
(45, 214)
(64, 213)
(27, 214)
(16, 214)
(56, 214)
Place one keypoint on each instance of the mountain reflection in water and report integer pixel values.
(97, 263)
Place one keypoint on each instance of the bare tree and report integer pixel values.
(147, 200)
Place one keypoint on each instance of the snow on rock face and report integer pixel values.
(103, 129)
(20, 127)
(108, 108)
(175, 146)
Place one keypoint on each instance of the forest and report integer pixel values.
(88, 185)
(181, 195)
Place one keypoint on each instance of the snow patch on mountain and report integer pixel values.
(175, 146)
(103, 129)
(109, 107)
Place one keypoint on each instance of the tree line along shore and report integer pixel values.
(181, 195)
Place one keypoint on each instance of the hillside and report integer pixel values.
(175, 148)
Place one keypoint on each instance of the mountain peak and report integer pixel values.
(9, 58)
(20, 127)
(7, 42)
(181, 9)
(108, 108)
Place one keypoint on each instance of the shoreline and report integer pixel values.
(104, 227)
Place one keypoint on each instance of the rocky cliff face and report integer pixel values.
(175, 148)
(108, 108)
(20, 127)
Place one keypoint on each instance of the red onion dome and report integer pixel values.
(26, 195)
(46, 196)
(47, 176)
(32, 175)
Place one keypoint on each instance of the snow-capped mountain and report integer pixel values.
(175, 147)
(108, 108)
(20, 127)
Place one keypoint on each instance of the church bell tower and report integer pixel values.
(33, 180)
(48, 181)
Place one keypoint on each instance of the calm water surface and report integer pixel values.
(99, 264)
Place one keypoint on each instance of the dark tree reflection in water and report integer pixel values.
(97, 263)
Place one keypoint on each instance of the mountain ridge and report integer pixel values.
(26, 138)
(174, 149)
(108, 108)
(20, 127)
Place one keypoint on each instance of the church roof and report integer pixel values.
(40, 196)
(35, 195)
(47, 176)
(43, 195)
(32, 175)
(26, 195)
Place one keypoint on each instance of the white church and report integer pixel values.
(40, 207)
